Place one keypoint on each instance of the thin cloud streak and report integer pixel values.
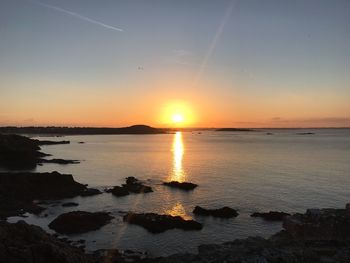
(214, 42)
(62, 10)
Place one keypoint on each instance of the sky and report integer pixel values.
(223, 63)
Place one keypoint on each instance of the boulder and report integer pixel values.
(77, 222)
(118, 191)
(224, 212)
(271, 216)
(181, 185)
(156, 223)
(132, 185)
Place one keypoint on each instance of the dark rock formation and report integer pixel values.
(69, 204)
(118, 191)
(271, 216)
(18, 190)
(155, 223)
(132, 185)
(181, 185)
(59, 161)
(90, 192)
(224, 212)
(23, 243)
(320, 224)
(19, 152)
(79, 222)
(305, 133)
(39, 142)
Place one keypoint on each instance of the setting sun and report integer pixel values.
(178, 118)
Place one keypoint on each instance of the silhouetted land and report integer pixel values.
(135, 129)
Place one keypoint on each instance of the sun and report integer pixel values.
(178, 118)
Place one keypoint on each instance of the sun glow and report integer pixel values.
(177, 118)
(177, 114)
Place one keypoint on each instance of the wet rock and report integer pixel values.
(224, 212)
(20, 242)
(156, 223)
(59, 161)
(271, 216)
(90, 192)
(79, 222)
(135, 186)
(132, 185)
(44, 142)
(118, 191)
(181, 185)
(69, 204)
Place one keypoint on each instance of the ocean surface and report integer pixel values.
(248, 171)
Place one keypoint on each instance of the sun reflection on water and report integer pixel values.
(178, 173)
(178, 210)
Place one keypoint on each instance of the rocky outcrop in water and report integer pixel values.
(155, 223)
(77, 222)
(19, 190)
(181, 185)
(224, 212)
(132, 185)
(271, 216)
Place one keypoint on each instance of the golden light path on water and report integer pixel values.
(178, 173)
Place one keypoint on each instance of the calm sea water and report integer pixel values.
(249, 171)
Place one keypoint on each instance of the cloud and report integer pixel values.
(81, 17)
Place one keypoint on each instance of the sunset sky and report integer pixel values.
(240, 63)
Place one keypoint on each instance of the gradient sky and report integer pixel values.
(240, 63)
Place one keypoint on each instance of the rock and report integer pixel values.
(59, 161)
(271, 216)
(319, 224)
(77, 222)
(81, 142)
(305, 133)
(132, 185)
(118, 191)
(18, 152)
(69, 204)
(224, 212)
(135, 186)
(20, 242)
(19, 190)
(90, 192)
(39, 142)
(181, 185)
(155, 223)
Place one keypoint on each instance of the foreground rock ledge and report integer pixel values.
(23, 243)
(155, 223)
(77, 222)
(224, 212)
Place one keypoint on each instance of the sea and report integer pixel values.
(287, 170)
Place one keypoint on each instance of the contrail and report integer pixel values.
(213, 43)
(59, 9)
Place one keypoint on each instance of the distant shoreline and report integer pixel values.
(135, 129)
